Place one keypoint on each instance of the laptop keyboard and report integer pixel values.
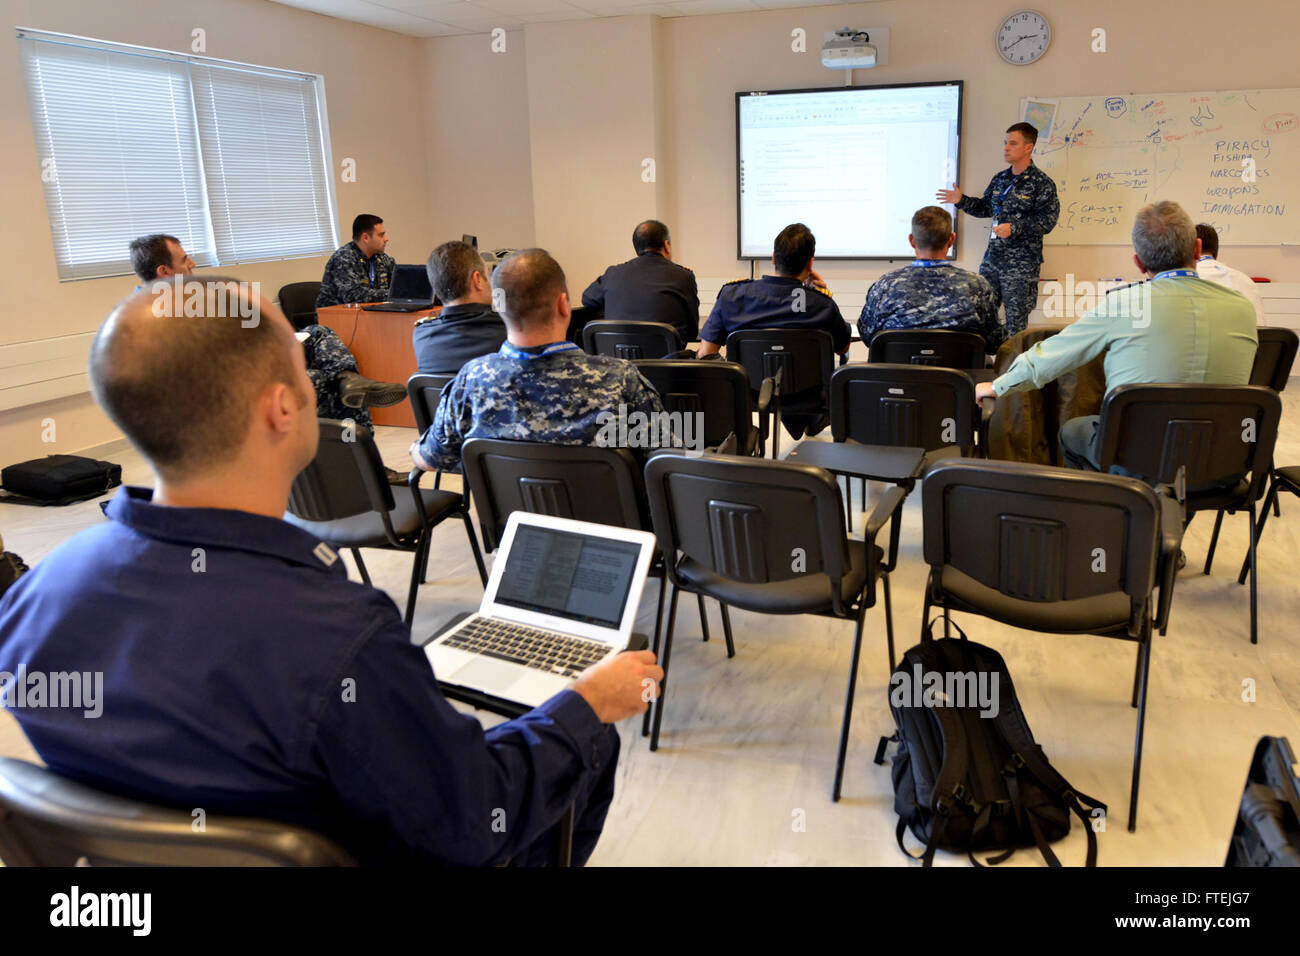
(546, 651)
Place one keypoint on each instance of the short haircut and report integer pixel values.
(650, 236)
(931, 227)
(1163, 236)
(1209, 237)
(150, 252)
(450, 268)
(793, 249)
(182, 388)
(1029, 132)
(529, 280)
(364, 223)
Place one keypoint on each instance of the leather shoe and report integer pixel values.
(357, 391)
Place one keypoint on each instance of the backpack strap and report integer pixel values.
(1073, 800)
(927, 634)
(1011, 771)
(881, 747)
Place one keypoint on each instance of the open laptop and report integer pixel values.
(563, 595)
(410, 291)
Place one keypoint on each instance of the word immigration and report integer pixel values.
(72, 689)
(651, 430)
(189, 298)
(952, 689)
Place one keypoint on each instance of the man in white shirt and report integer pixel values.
(1209, 267)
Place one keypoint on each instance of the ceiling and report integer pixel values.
(433, 18)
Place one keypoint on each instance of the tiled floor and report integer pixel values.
(743, 773)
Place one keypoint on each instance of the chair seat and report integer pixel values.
(806, 594)
(1215, 498)
(1092, 615)
(366, 530)
(1289, 478)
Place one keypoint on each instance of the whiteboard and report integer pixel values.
(1111, 155)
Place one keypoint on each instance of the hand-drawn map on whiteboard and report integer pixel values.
(1231, 159)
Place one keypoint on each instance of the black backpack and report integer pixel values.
(967, 782)
(59, 479)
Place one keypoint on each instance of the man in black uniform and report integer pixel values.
(794, 298)
(1023, 205)
(651, 287)
(468, 326)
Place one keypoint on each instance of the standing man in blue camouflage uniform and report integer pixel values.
(932, 293)
(1022, 203)
(359, 271)
(539, 386)
(794, 298)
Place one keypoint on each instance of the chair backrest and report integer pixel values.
(748, 519)
(1215, 432)
(602, 485)
(345, 478)
(298, 303)
(49, 820)
(425, 392)
(946, 348)
(717, 390)
(1274, 357)
(579, 316)
(1039, 533)
(630, 340)
(906, 405)
(804, 357)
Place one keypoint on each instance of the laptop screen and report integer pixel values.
(575, 576)
(411, 282)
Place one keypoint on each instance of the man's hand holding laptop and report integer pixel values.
(616, 687)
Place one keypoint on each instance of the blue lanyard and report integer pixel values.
(372, 272)
(1176, 274)
(997, 207)
(510, 351)
(928, 263)
(1203, 258)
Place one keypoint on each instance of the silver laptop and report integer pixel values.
(563, 595)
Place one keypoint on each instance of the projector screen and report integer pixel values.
(851, 163)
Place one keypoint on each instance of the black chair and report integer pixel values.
(1220, 437)
(630, 340)
(579, 316)
(796, 364)
(425, 392)
(1283, 479)
(298, 303)
(1274, 357)
(728, 527)
(717, 390)
(1053, 550)
(947, 348)
(48, 820)
(343, 497)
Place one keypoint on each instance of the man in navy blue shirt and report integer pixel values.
(467, 326)
(242, 672)
(651, 287)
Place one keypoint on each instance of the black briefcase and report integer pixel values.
(60, 479)
(1268, 824)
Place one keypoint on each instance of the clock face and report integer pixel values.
(1023, 37)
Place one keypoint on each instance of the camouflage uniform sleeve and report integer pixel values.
(349, 278)
(869, 318)
(985, 299)
(641, 395)
(979, 208)
(1047, 210)
(441, 444)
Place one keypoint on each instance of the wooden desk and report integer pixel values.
(381, 342)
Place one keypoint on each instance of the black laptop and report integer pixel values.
(410, 291)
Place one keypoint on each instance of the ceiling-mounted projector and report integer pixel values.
(848, 50)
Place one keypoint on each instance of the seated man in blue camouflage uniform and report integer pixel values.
(932, 293)
(358, 271)
(794, 298)
(539, 386)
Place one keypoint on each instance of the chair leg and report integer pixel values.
(663, 684)
(848, 503)
(361, 567)
(659, 618)
(726, 630)
(1214, 540)
(848, 704)
(889, 621)
(947, 623)
(424, 564)
(925, 614)
(1137, 678)
(1254, 581)
(417, 566)
(1269, 499)
(1145, 656)
(704, 617)
(473, 545)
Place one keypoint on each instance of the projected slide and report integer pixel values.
(852, 163)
